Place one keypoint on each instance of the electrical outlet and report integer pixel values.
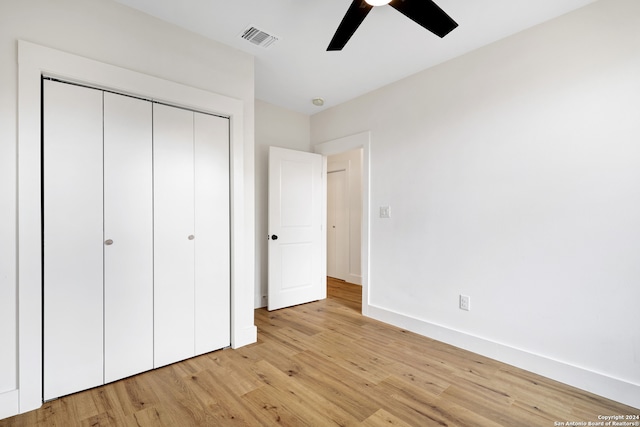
(385, 211)
(465, 302)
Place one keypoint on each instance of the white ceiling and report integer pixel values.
(387, 47)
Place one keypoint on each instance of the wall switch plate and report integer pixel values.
(465, 302)
(385, 211)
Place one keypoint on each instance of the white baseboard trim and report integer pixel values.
(246, 336)
(355, 279)
(9, 405)
(594, 382)
(259, 301)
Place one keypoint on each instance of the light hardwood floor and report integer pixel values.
(323, 364)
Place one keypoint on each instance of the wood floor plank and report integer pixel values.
(219, 395)
(536, 395)
(177, 400)
(416, 407)
(322, 364)
(369, 366)
(489, 403)
(103, 419)
(148, 417)
(133, 395)
(382, 418)
(228, 368)
(301, 399)
(336, 384)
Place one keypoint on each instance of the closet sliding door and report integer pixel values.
(72, 239)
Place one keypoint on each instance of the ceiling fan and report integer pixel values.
(424, 12)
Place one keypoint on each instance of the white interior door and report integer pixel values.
(296, 273)
(173, 235)
(212, 235)
(128, 235)
(73, 245)
(337, 225)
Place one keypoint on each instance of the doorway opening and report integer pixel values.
(347, 211)
(344, 216)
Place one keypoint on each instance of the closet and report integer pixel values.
(136, 236)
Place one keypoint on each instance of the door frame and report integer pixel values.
(336, 146)
(34, 61)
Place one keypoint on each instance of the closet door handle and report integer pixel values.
(191, 237)
(108, 242)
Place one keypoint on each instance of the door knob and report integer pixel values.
(108, 242)
(274, 237)
(191, 237)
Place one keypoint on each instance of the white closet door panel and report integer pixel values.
(173, 225)
(212, 241)
(128, 223)
(72, 191)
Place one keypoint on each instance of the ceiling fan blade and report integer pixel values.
(350, 23)
(426, 13)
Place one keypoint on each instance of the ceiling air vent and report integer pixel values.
(258, 37)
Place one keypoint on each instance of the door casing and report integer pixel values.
(34, 61)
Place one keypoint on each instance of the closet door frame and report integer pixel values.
(34, 62)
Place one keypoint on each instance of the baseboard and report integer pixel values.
(593, 382)
(355, 279)
(9, 405)
(259, 301)
(245, 336)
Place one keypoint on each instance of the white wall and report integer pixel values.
(351, 163)
(114, 34)
(513, 177)
(279, 127)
